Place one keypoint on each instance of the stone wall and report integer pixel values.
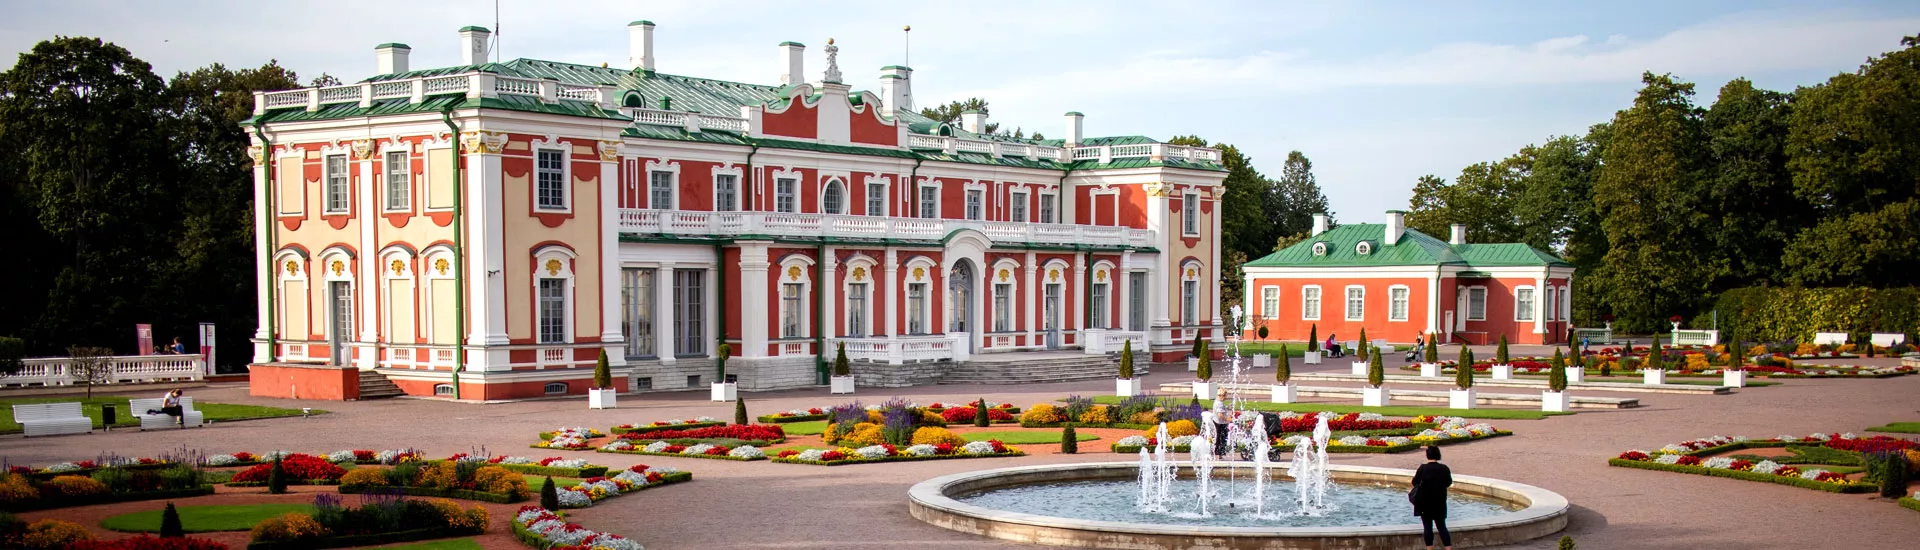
(882, 375)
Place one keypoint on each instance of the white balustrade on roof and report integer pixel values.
(781, 224)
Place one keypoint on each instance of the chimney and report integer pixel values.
(1074, 131)
(393, 57)
(473, 45)
(1319, 223)
(974, 121)
(794, 56)
(640, 45)
(896, 87)
(1459, 234)
(1396, 224)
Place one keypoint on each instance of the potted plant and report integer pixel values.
(1461, 396)
(1555, 398)
(1283, 390)
(1193, 355)
(1265, 359)
(1360, 352)
(1312, 356)
(1126, 385)
(723, 389)
(1676, 322)
(1375, 394)
(1736, 373)
(1203, 373)
(1502, 366)
(842, 380)
(1430, 358)
(1576, 369)
(1652, 370)
(602, 394)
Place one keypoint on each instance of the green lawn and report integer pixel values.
(1898, 427)
(1496, 414)
(1024, 437)
(91, 407)
(203, 519)
(449, 544)
(534, 482)
(815, 427)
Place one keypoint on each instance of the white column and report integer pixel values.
(609, 215)
(264, 268)
(890, 271)
(711, 288)
(828, 286)
(1164, 264)
(1213, 241)
(663, 305)
(753, 299)
(1433, 303)
(1076, 313)
(1539, 303)
(1123, 281)
(1032, 303)
(485, 245)
(365, 357)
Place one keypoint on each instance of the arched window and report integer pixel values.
(1363, 248)
(834, 199)
(443, 389)
(556, 388)
(1319, 249)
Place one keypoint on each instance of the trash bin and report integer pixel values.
(107, 416)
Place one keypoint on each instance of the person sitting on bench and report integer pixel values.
(1333, 347)
(171, 407)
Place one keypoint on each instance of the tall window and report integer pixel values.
(337, 199)
(726, 192)
(1189, 303)
(975, 208)
(857, 310)
(1046, 208)
(1553, 314)
(1270, 302)
(1190, 214)
(917, 308)
(660, 190)
(689, 312)
(1097, 297)
(929, 201)
(876, 199)
(790, 310)
(1137, 293)
(1566, 303)
(399, 186)
(1356, 303)
(1018, 212)
(834, 199)
(552, 180)
(1310, 303)
(1002, 307)
(553, 311)
(636, 297)
(783, 195)
(1476, 304)
(1523, 304)
(1397, 304)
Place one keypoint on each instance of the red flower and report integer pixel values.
(593, 480)
(1634, 455)
(22, 470)
(638, 468)
(1675, 318)
(1875, 444)
(147, 542)
(1376, 443)
(816, 410)
(831, 456)
(497, 459)
(943, 449)
(1787, 471)
(1740, 465)
(965, 414)
(1004, 406)
(245, 456)
(550, 460)
(298, 466)
(787, 453)
(1831, 477)
(1349, 421)
(456, 457)
(997, 446)
(149, 461)
(718, 451)
(84, 464)
(1689, 460)
(655, 477)
(756, 432)
(675, 448)
(360, 455)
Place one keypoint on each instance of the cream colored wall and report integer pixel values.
(315, 236)
(399, 321)
(523, 232)
(441, 301)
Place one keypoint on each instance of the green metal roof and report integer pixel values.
(641, 22)
(393, 45)
(474, 28)
(1413, 249)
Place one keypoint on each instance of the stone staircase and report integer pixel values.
(374, 385)
(1037, 367)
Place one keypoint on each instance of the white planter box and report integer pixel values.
(1286, 393)
(1734, 378)
(1126, 387)
(1311, 358)
(1460, 399)
(1373, 397)
(1503, 372)
(1555, 401)
(1193, 364)
(1576, 375)
(841, 384)
(1202, 389)
(1654, 376)
(1262, 360)
(1359, 368)
(725, 392)
(1430, 370)
(602, 399)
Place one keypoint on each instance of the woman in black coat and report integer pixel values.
(1429, 496)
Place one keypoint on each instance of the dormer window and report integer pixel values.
(1363, 248)
(1319, 249)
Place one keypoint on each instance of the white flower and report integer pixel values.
(1673, 448)
(608, 485)
(927, 450)
(1354, 440)
(873, 407)
(1396, 440)
(696, 449)
(386, 456)
(798, 412)
(631, 476)
(1667, 459)
(471, 458)
(1288, 414)
(811, 455)
(705, 419)
(1766, 467)
(749, 452)
(1821, 437)
(340, 456)
(574, 499)
(569, 463)
(1811, 474)
(1784, 437)
(1182, 441)
(281, 454)
(63, 467)
(528, 516)
(664, 470)
(978, 448)
(611, 541)
(874, 451)
(1295, 440)
(616, 445)
(1849, 435)
(1718, 463)
(222, 460)
(1372, 416)
(1133, 440)
(1739, 439)
(657, 447)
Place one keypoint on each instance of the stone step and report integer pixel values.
(374, 385)
(1399, 395)
(1486, 380)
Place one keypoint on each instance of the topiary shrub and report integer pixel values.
(740, 410)
(1313, 338)
(1500, 353)
(549, 495)
(981, 417)
(1654, 359)
(1433, 348)
(1283, 369)
(720, 363)
(602, 374)
(1360, 350)
(170, 523)
(1204, 370)
(1069, 441)
(840, 367)
(1566, 542)
(1463, 372)
(1263, 334)
(1376, 372)
(1557, 372)
(1126, 360)
(277, 477)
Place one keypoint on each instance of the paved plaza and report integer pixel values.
(769, 505)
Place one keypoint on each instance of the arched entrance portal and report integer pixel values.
(960, 300)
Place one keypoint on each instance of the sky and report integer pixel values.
(1376, 94)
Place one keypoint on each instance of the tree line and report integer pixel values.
(1669, 204)
(126, 198)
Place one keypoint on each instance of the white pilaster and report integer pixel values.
(1164, 264)
(609, 217)
(365, 357)
(827, 287)
(711, 288)
(264, 268)
(1076, 312)
(1540, 303)
(1123, 281)
(486, 251)
(1032, 303)
(890, 270)
(1213, 242)
(753, 298)
(1433, 304)
(663, 305)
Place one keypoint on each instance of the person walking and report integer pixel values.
(1429, 496)
(1221, 418)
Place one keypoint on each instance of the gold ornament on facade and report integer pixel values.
(258, 154)
(1053, 275)
(859, 274)
(1157, 189)
(1190, 273)
(1100, 276)
(919, 273)
(481, 141)
(399, 266)
(553, 267)
(793, 273)
(362, 149)
(1003, 275)
(440, 265)
(609, 151)
(338, 267)
(293, 268)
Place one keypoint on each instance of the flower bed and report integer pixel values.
(364, 456)
(550, 466)
(942, 408)
(1692, 457)
(376, 521)
(757, 434)
(795, 415)
(1297, 422)
(1443, 431)
(539, 528)
(301, 469)
(658, 425)
(964, 415)
(469, 478)
(571, 439)
(88, 467)
(888, 453)
(638, 477)
(699, 450)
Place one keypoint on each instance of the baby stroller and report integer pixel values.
(1273, 430)
(1413, 354)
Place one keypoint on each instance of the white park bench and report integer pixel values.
(1696, 337)
(52, 418)
(1887, 340)
(1829, 338)
(139, 407)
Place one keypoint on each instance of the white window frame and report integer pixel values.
(566, 175)
(827, 190)
(786, 188)
(1098, 296)
(1320, 249)
(1352, 315)
(1190, 213)
(1531, 300)
(1049, 207)
(1552, 308)
(864, 311)
(916, 310)
(1017, 205)
(1270, 301)
(877, 198)
(926, 210)
(344, 191)
(1401, 297)
(975, 203)
(1003, 301)
(633, 318)
(732, 205)
(564, 274)
(1310, 296)
(1566, 304)
(859, 321)
(793, 318)
(405, 180)
(805, 287)
(1482, 291)
(690, 338)
(1363, 248)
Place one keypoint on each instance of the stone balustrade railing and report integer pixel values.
(59, 371)
(676, 222)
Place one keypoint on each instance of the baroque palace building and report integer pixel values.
(487, 230)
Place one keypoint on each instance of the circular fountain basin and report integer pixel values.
(1375, 512)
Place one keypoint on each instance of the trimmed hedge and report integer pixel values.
(88, 472)
(900, 458)
(1910, 504)
(591, 470)
(644, 429)
(1771, 314)
(770, 419)
(462, 494)
(376, 539)
(1749, 476)
(637, 451)
(89, 500)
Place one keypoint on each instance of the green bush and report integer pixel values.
(602, 375)
(1376, 373)
(1557, 372)
(1204, 370)
(1433, 348)
(1500, 353)
(1126, 360)
(1361, 348)
(1566, 542)
(1263, 332)
(277, 477)
(1313, 338)
(1771, 314)
(720, 364)
(1463, 372)
(549, 495)
(13, 352)
(980, 417)
(170, 526)
(1654, 353)
(740, 410)
(1199, 346)
(1283, 370)
(840, 367)
(1069, 441)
